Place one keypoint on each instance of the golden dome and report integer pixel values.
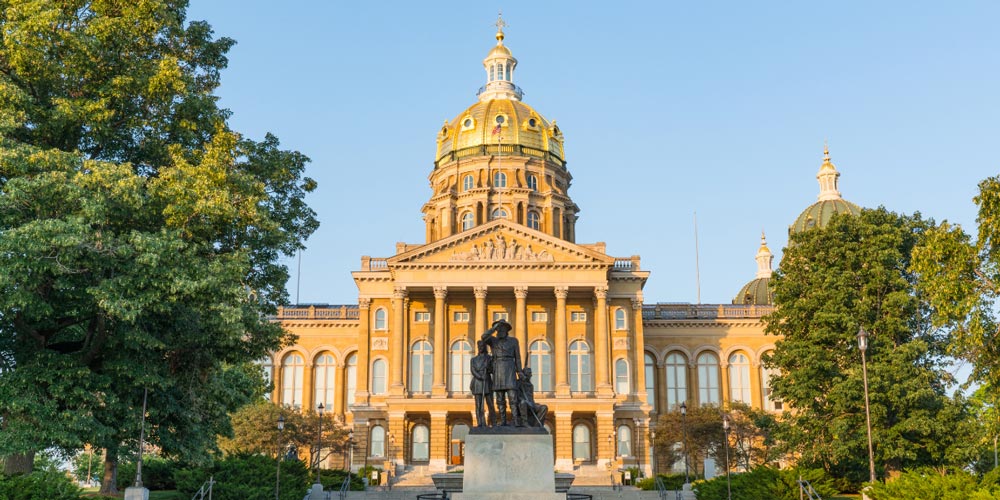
(523, 131)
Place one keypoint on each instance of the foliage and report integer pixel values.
(700, 433)
(931, 485)
(751, 437)
(85, 461)
(671, 482)
(255, 431)
(765, 482)
(834, 280)
(246, 477)
(45, 484)
(157, 474)
(141, 236)
(334, 479)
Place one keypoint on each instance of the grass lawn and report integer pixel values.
(845, 496)
(153, 495)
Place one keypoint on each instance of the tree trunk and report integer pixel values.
(21, 463)
(109, 482)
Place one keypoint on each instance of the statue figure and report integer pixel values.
(488, 250)
(506, 354)
(501, 248)
(482, 385)
(533, 413)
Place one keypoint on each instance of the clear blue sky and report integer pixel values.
(668, 108)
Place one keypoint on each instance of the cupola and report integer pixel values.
(758, 290)
(829, 200)
(499, 65)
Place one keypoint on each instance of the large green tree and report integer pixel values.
(855, 273)
(140, 237)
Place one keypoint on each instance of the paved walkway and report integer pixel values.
(598, 493)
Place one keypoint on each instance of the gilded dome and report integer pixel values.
(522, 131)
(829, 200)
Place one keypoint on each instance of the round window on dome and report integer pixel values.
(467, 123)
(500, 119)
(532, 122)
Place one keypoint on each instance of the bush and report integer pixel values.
(246, 477)
(671, 482)
(157, 474)
(39, 485)
(334, 478)
(930, 485)
(766, 482)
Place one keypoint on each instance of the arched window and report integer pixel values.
(581, 442)
(540, 362)
(352, 380)
(378, 376)
(579, 367)
(650, 375)
(499, 180)
(708, 378)
(500, 71)
(325, 380)
(621, 319)
(468, 183)
(492, 73)
(421, 443)
(468, 220)
(380, 315)
(378, 441)
(532, 182)
(533, 220)
(461, 372)
(765, 386)
(421, 366)
(739, 378)
(624, 441)
(676, 366)
(621, 376)
(508, 72)
(291, 380)
(498, 213)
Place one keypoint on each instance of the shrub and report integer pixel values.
(334, 478)
(930, 485)
(39, 485)
(671, 482)
(246, 477)
(765, 482)
(157, 474)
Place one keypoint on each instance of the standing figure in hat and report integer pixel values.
(506, 369)
(482, 386)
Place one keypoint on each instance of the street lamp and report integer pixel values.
(350, 444)
(684, 412)
(638, 444)
(319, 442)
(277, 457)
(652, 453)
(863, 346)
(725, 428)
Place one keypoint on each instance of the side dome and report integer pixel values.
(499, 126)
(757, 291)
(830, 202)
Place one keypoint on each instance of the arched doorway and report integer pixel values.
(456, 452)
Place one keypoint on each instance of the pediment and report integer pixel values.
(500, 242)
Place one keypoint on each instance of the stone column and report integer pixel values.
(661, 384)
(605, 428)
(638, 361)
(521, 320)
(601, 341)
(564, 441)
(756, 385)
(692, 384)
(481, 322)
(562, 387)
(723, 380)
(277, 378)
(338, 402)
(398, 352)
(439, 442)
(364, 348)
(440, 349)
(308, 386)
(395, 446)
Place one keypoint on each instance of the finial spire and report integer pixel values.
(499, 65)
(764, 258)
(827, 177)
(501, 24)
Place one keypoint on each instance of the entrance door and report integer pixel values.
(457, 452)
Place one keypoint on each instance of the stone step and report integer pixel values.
(598, 493)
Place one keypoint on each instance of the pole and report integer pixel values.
(319, 442)
(697, 273)
(729, 484)
(277, 458)
(142, 436)
(687, 476)
(868, 419)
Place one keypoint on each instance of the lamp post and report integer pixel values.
(684, 412)
(638, 443)
(319, 442)
(863, 346)
(729, 485)
(277, 472)
(652, 454)
(350, 453)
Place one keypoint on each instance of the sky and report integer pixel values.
(669, 109)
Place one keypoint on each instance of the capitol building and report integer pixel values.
(500, 243)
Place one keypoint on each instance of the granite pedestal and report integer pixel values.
(134, 493)
(508, 467)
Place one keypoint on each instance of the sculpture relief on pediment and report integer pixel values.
(499, 249)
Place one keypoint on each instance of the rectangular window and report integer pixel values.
(499, 315)
(460, 317)
(578, 317)
(422, 317)
(539, 317)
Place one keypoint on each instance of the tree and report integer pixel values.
(751, 434)
(961, 281)
(704, 437)
(854, 273)
(255, 431)
(140, 237)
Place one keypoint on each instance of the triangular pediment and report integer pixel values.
(500, 242)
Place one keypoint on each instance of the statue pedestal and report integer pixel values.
(508, 467)
(133, 493)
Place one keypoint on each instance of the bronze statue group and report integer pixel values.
(498, 377)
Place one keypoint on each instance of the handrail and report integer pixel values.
(200, 494)
(498, 149)
(672, 311)
(345, 487)
(661, 488)
(807, 489)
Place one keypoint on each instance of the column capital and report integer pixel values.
(521, 292)
(601, 292)
(480, 292)
(399, 292)
(364, 302)
(637, 303)
(440, 292)
(561, 292)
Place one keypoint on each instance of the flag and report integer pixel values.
(496, 130)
